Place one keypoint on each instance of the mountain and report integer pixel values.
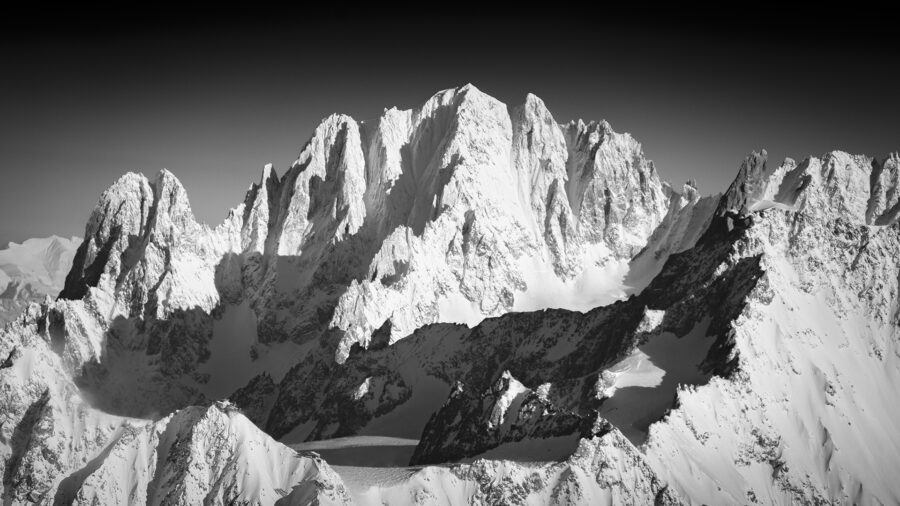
(33, 270)
(525, 301)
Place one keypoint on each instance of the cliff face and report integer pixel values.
(449, 213)
(523, 297)
(422, 216)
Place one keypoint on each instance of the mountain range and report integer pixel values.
(500, 307)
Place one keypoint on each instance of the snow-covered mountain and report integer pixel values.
(33, 270)
(525, 300)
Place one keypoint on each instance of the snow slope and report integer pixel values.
(208, 455)
(525, 301)
(33, 270)
(808, 416)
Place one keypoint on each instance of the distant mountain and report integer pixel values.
(526, 301)
(33, 270)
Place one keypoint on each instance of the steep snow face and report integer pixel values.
(47, 430)
(33, 270)
(805, 417)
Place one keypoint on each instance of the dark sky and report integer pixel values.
(86, 96)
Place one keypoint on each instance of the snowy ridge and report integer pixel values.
(817, 343)
(745, 352)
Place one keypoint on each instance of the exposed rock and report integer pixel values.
(470, 424)
(372, 285)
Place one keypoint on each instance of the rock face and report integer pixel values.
(409, 220)
(508, 412)
(528, 300)
(33, 270)
(376, 230)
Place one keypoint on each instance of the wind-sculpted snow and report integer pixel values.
(676, 348)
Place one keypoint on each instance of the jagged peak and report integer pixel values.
(748, 186)
(532, 98)
(468, 87)
(268, 172)
(325, 135)
(468, 97)
(126, 182)
(166, 184)
(836, 184)
(583, 135)
(689, 190)
(165, 176)
(453, 97)
(534, 102)
(135, 182)
(129, 190)
(601, 127)
(267, 176)
(534, 109)
(892, 159)
(217, 409)
(332, 124)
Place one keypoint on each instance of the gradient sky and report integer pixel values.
(85, 98)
